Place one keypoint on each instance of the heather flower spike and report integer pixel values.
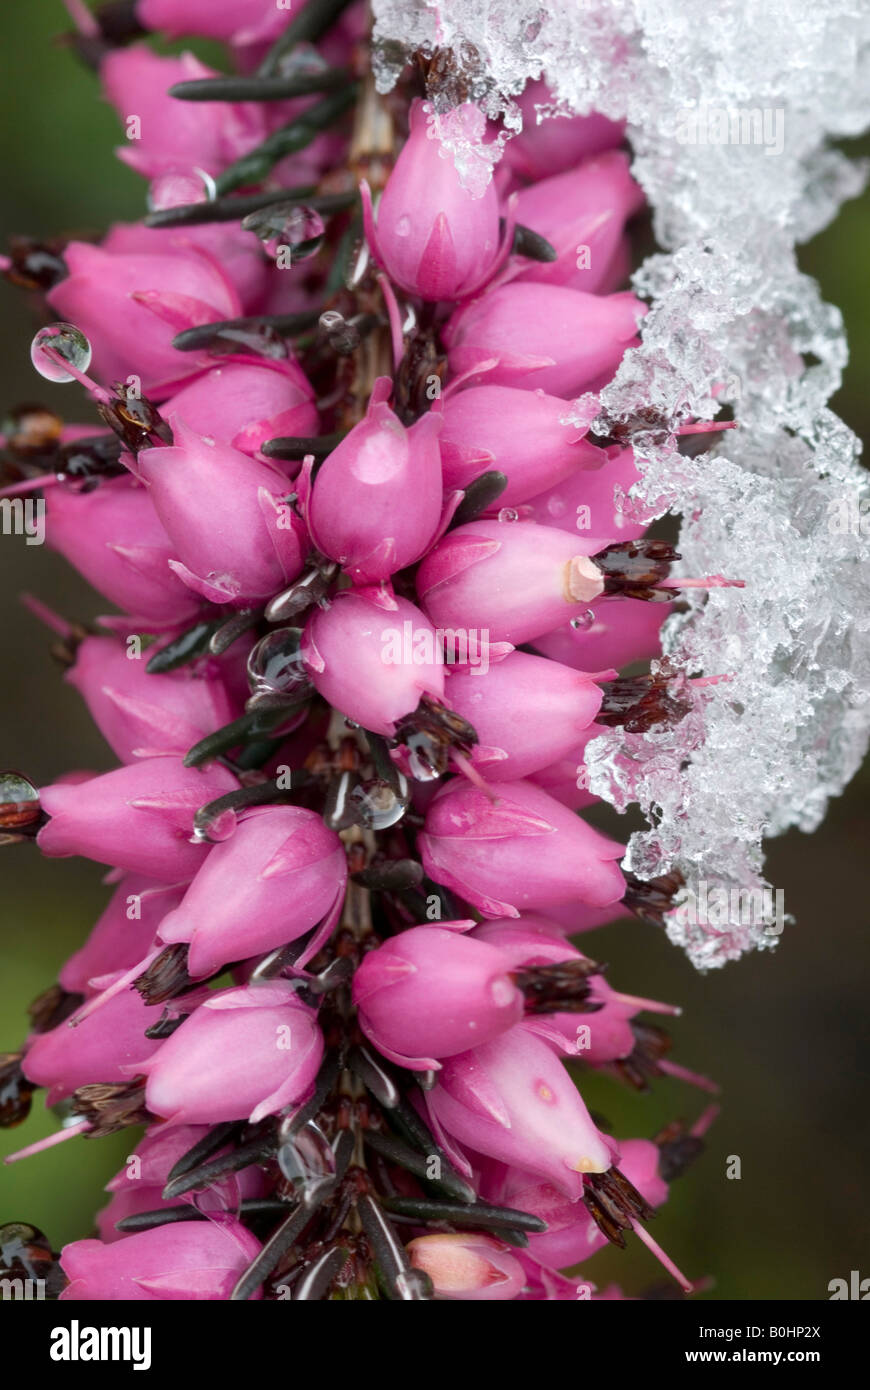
(354, 478)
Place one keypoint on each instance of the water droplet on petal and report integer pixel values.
(178, 188)
(275, 663)
(19, 803)
(68, 342)
(403, 226)
(377, 804)
(306, 1159)
(289, 227)
(584, 621)
(508, 514)
(211, 830)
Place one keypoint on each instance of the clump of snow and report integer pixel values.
(730, 108)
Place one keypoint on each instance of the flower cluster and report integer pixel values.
(375, 592)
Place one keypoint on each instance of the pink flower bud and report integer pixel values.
(572, 918)
(130, 307)
(612, 632)
(512, 1100)
(123, 934)
(433, 238)
(375, 503)
(572, 1235)
(555, 143)
(598, 1037)
(356, 654)
(514, 579)
(430, 992)
(196, 1260)
(563, 341)
(521, 853)
(468, 1266)
(566, 779)
(142, 715)
(243, 1054)
(244, 403)
(582, 214)
(526, 711)
(169, 135)
(139, 1185)
(114, 538)
(235, 21)
(236, 538)
(239, 253)
(104, 1047)
(275, 878)
(518, 432)
(138, 818)
(587, 501)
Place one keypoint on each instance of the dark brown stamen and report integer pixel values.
(678, 1150)
(639, 703)
(166, 976)
(635, 569)
(642, 1063)
(52, 1007)
(109, 1108)
(565, 985)
(429, 735)
(614, 1204)
(35, 265)
(136, 421)
(650, 899)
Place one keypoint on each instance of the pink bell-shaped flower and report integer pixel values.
(518, 432)
(280, 873)
(430, 992)
(513, 579)
(195, 1260)
(526, 711)
(115, 539)
(514, 1101)
(521, 852)
(138, 818)
(237, 539)
(525, 334)
(375, 503)
(468, 1265)
(243, 1054)
(142, 715)
(373, 662)
(433, 237)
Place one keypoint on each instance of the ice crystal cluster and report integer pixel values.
(730, 110)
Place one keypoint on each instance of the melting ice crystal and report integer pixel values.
(730, 109)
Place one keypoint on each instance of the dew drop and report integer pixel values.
(19, 803)
(403, 226)
(66, 340)
(179, 188)
(287, 228)
(275, 663)
(378, 805)
(584, 621)
(508, 514)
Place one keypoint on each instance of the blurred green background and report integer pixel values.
(785, 1034)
